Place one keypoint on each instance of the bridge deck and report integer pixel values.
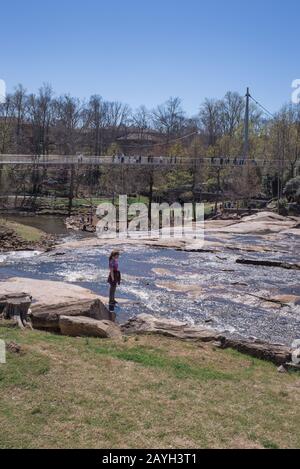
(166, 161)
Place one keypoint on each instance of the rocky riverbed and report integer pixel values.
(201, 284)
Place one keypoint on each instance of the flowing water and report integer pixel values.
(200, 288)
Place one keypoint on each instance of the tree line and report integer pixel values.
(43, 124)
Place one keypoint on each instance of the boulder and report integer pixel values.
(13, 347)
(276, 353)
(76, 326)
(47, 316)
(47, 292)
(54, 299)
(145, 323)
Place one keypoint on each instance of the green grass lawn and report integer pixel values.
(141, 392)
(27, 233)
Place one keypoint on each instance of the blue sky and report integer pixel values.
(143, 52)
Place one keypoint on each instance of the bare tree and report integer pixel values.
(117, 119)
(169, 118)
(6, 123)
(287, 126)
(141, 120)
(20, 105)
(210, 120)
(96, 117)
(40, 113)
(231, 112)
(71, 121)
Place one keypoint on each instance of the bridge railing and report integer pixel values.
(129, 160)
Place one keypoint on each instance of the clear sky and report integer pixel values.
(143, 52)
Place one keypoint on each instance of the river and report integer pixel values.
(200, 288)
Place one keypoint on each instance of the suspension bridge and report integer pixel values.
(122, 160)
(139, 160)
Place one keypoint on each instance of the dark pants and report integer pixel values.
(112, 292)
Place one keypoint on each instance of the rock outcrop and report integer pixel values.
(269, 263)
(10, 241)
(145, 323)
(81, 222)
(47, 317)
(47, 292)
(220, 235)
(54, 299)
(276, 353)
(77, 326)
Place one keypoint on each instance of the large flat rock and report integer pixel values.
(47, 316)
(77, 326)
(46, 291)
(54, 299)
(259, 223)
(276, 353)
(146, 323)
(268, 225)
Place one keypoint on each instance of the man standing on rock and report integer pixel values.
(114, 278)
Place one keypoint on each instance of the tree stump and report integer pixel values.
(15, 306)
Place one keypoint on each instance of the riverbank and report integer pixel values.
(68, 392)
(15, 236)
(72, 310)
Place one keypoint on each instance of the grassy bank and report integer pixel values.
(25, 232)
(142, 392)
(60, 205)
